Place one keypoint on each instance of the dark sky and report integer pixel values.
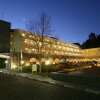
(73, 20)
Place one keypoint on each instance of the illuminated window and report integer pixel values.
(11, 35)
(10, 42)
(77, 50)
(23, 34)
(30, 36)
(69, 53)
(71, 49)
(10, 49)
(59, 47)
(63, 48)
(68, 49)
(25, 41)
(58, 42)
(26, 48)
(33, 49)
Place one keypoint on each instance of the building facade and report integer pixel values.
(92, 54)
(4, 37)
(22, 47)
(55, 50)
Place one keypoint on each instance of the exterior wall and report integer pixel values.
(4, 37)
(92, 54)
(22, 40)
(19, 42)
(16, 42)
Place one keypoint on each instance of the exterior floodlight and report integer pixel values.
(47, 62)
(22, 62)
(6, 62)
(14, 66)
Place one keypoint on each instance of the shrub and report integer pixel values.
(27, 69)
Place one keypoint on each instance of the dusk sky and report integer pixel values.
(73, 20)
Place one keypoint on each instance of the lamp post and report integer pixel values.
(6, 62)
(21, 61)
(47, 63)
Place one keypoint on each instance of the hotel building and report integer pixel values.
(58, 51)
(92, 54)
(22, 46)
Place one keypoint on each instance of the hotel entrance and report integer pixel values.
(5, 61)
(2, 63)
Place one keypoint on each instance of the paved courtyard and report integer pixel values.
(18, 88)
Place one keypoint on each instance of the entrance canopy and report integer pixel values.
(4, 56)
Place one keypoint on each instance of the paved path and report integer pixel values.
(13, 87)
(53, 82)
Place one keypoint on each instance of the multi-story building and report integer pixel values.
(23, 47)
(25, 42)
(92, 54)
(4, 43)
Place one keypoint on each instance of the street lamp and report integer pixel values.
(6, 62)
(47, 62)
(22, 62)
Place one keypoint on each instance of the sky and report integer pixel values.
(72, 20)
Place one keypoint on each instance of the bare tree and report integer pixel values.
(42, 27)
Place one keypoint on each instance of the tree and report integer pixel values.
(98, 41)
(42, 28)
(92, 36)
(77, 44)
(90, 42)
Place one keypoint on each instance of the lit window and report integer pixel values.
(10, 49)
(26, 48)
(68, 49)
(10, 42)
(71, 49)
(11, 35)
(23, 34)
(30, 36)
(58, 42)
(33, 50)
(74, 49)
(25, 41)
(77, 50)
(59, 47)
(40, 44)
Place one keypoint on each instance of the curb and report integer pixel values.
(57, 83)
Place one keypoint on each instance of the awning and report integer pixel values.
(4, 56)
